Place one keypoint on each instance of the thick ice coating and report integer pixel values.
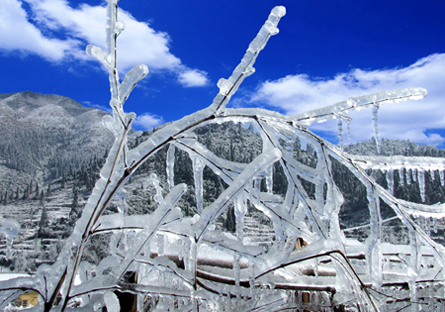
(274, 236)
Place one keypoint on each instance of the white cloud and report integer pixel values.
(193, 78)
(17, 33)
(39, 32)
(148, 121)
(295, 94)
(98, 106)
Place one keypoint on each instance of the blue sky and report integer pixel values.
(326, 51)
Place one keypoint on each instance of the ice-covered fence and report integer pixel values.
(189, 263)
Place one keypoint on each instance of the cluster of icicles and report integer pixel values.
(409, 169)
(167, 261)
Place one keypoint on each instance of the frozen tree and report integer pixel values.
(166, 261)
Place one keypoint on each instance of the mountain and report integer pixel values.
(43, 136)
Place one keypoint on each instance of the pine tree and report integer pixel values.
(43, 221)
(75, 209)
(25, 193)
(230, 222)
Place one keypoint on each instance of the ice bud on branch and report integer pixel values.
(131, 79)
(119, 27)
(98, 54)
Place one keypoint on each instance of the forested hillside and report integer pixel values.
(45, 138)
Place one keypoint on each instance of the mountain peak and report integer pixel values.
(43, 134)
(26, 101)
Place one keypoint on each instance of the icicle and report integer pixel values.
(374, 252)
(198, 168)
(421, 180)
(408, 176)
(121, 196)
(414, 175)
(390, 180)
(186, 254)
(316, 267)
(349, 129)
(237, 274)
(269, 179)
(402, 177)
(170, 166)
(442, 177)
(155, 182)
(428, 226)
(160, 244)
(192, 261)
(340, 132)
(111, 301)
(413, 269)
(421, 222)
(240, 207)
(435, 225)
(180, 249)
(319, 195)
(375, 126)
(252, 278)
(255, 191)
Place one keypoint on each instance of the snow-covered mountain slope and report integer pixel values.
(42, 136)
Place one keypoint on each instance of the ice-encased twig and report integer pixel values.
(357, 103)
(398, 162)
(170, 165)
(374, 253)
(375, 125)
(111, 174)
(158, 218)
(228, 87)
(211, 212)
(228, 171)
(289, 166)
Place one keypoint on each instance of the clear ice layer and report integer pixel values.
(286, 251)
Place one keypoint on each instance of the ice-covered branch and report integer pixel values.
(228, 87)
(211, 212)
(341, 109)
(398, 162)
